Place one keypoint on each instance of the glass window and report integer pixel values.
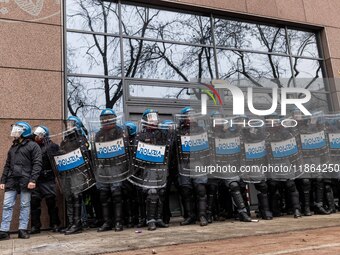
(303, 43)
(155, 60)
(87, 94)
(308, 74)
(93, 54)
(241, 35)
(92, 15)
(256, 70)
(161, 92)
(318, 102)
(166, 25)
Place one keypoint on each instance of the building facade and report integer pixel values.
(75, 56)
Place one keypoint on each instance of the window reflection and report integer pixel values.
(308, 74)
(92, 15)
(257, 70)
(166, 25)
(241, 35)
(93, 54)
(86, 94)
(155, 60)
(303, 43)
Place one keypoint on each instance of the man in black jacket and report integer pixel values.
(22, 169)
(46, 185)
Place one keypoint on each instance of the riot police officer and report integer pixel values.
(46, 185)
(189, 156)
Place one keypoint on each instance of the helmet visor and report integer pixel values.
(152, 118)
(17, 131)
(40, 132)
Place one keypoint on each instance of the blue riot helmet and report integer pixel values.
(131, 127)
(75, 122)
(21, 129)
(108, 118)
(40, 133)
(150, 117)
(186, 116)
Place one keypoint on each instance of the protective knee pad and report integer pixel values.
(262, 187)
(234, 187)
(290, 185)
(117, 196)
(306, 184)
(200, 190)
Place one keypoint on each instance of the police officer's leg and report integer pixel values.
(238, 200)
(263, 199)
(151, 208)
(69, 211)
(305, 185)
(274, 197)
(211, 199)
(294, 197)
(201, 198)
(128, 193)
(76, 223)
(106, 203)
(160, 208)
(319, 193)
(141, 197)
(116, 190)
(36, 210)
(186, 190)
(48, 190)
(329, 195)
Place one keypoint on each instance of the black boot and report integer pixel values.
(210, 204)
(295, 201)
(188, 207)
(4, 235)
(241, 207)
(202, 211)
(23, 234)
(129, 211)
(275, 204)
(34, 230)
(53, 213)
(141, 209)
(330, 200)
(151, 209)
(160, 207)
(105, 200)
(318, 208)
(118, 217)
(306, 205)
(76, 225)
(265, 212)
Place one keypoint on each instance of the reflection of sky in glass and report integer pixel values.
(78, 17)
(167, 61)
(84, 55)
(160, 92)
(308, 74)
(166, 25)
(241, 35)
(91, 93)
(303, 43)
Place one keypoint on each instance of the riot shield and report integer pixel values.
(110, 149)
(226, 148)
(254, 152)
(150, 157)
(283, 154)
(314, 147)
(332, 125)
(72, 162)
(193, 148)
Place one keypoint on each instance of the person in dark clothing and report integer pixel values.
(21, 171)
(46, 185)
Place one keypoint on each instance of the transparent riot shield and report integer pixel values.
(226, 148)
(150, 157)
(314, 147)
(72, 162)
(283, 154)
(332, 125)
(110, 149)
(193, 148)
(254, 152)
